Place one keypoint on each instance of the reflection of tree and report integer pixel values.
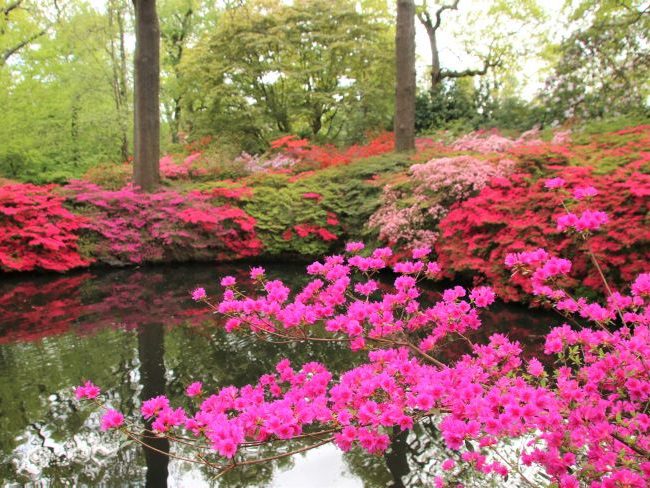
(151, 351)
(413, 460)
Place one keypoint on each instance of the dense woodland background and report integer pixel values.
(245, 72)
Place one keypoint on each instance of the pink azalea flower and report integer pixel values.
(198, 294)
(195, 389)
(354, 246)
(228, 281)
(554, 183)
(112, 419)
(257, 272)
(88, 390)
(584, 192)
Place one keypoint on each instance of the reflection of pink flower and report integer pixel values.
(198, 294)
(195, 389)
(112, 419)
(88, 390)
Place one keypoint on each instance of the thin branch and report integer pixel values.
(488, 64)
(13, 50)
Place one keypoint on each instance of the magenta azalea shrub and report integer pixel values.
(410, 212)
(579, 413)
(126, 226)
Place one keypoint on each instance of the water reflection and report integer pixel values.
(55, 331)
(151, 351)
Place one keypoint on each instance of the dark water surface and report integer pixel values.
(136, 333)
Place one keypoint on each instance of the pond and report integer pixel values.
(137, 334)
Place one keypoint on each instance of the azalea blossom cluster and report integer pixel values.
(434, 187)
(488, 141)
(582, 422)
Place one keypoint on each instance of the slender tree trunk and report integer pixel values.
(118, 61)
(405, 87)
(146, 96)
(435, 58)
(74, 132)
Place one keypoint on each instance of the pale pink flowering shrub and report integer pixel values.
(257, 163)
(409, 215)
(491, 141)
(561, 137)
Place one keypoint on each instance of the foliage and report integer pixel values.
(60, 114)
(126, 226)
(306, 68)
(452, 101)
(517, 214)
(36, 231)
(604, 65)
(111, 176)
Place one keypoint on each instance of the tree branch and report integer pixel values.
(13, 50)
(487, 65)
(12, 6)
(453, 6)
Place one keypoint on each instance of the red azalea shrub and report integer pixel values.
(329, 155)
(37, 231)
(517, 214)
(133, 227)
(230, 192)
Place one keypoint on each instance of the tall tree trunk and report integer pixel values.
(405, 86)
(146, 96)
(435, 58)
(74, 132)
(118, 62)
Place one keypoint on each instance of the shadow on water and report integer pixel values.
(137, 334)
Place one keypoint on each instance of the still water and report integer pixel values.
(136, 333)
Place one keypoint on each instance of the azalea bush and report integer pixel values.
(329, 155)
(37, 231)
(127, 226)
(410, 211)
(515, 214)
(491, 141)
(578, 413)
